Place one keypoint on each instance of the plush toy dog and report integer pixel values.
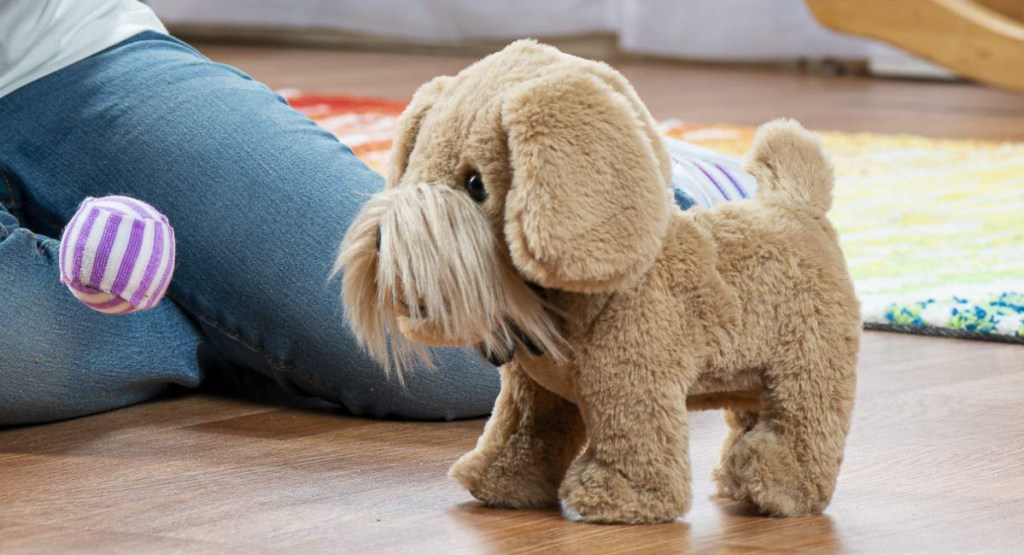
(528, 212)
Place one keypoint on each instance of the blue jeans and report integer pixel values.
(259, 197)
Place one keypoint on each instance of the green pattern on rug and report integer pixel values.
(933, 228)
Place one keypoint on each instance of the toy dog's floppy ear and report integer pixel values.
(408, 126)
(589, 200)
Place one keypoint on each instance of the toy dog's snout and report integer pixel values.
(423, 266)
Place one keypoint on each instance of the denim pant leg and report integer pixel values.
(59, 359)
(259, 197)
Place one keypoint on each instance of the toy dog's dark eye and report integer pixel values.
(476, 188)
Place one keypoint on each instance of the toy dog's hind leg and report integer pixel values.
(528, 443)
(788, 462)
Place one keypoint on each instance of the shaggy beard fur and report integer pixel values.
(438, 266)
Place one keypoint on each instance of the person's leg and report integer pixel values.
(260, 198)
(59, 359)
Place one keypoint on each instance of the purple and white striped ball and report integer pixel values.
(117, 255)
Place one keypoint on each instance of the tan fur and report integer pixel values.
(648, 309)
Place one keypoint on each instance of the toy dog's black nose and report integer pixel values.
(378, 239)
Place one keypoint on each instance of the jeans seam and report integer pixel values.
(15, 205)
(267, 357)
(10, 189)
(36, 239)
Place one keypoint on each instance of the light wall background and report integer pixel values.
(706, 30)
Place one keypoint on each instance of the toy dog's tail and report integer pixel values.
(790, 166)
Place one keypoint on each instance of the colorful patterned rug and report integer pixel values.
(933, 228)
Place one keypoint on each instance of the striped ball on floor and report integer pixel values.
(117, 255)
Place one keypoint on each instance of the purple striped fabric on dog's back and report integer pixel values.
(117, 254)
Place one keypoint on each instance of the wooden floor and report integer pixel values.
(935, 461)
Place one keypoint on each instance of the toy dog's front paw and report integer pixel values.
(761, 469)
(497, 485)
(593, 492)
